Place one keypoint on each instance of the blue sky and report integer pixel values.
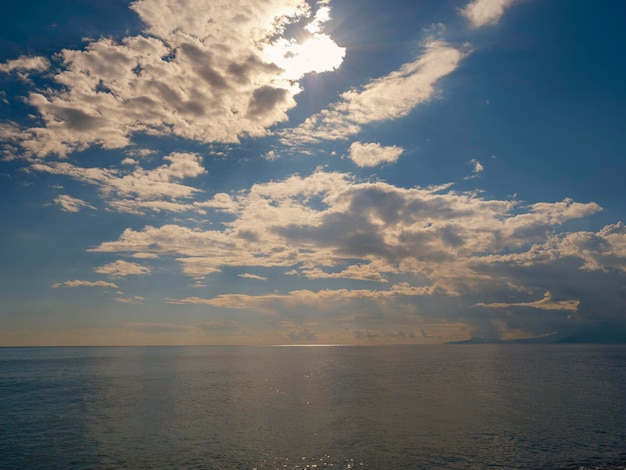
(290, 171)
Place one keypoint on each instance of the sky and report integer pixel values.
(311, 171)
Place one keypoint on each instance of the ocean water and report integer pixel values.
(340, 407)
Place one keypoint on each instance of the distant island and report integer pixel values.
(603, 334)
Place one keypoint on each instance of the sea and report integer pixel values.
(325, 407)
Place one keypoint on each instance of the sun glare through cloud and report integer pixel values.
(317, 53)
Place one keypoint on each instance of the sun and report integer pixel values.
(317, 54)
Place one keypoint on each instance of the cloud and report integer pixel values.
(123, 268)
(477, 169)
(148, 327)
(271, 155)
(372, 154)
(252, 276)
(440, 251)
(369, 271)
(220, 326)
(71, 204)
(330, 303)
(601, 251)
(317, 54)
(485, 12)
(78, 283)
(303, 335)
(137, 299)
(325, 225)
(25, 64)
(134, 190)
(390, 97)
(546, 303)
(200, 70)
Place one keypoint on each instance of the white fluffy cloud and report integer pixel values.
(325, 225)
(134, 190)
(373, 154)
(200, 71)
(601, 251)
(429, 256)
(485, 12)
(123, 268)
(25, 64)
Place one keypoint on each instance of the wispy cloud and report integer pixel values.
(546, 303)
(137, 299)
(477, 169)
(485, 12)
(326, 300)
(153, 327)
(390, 97)
(253, 276)
(71, 204)
(220, 327)
(78, 283)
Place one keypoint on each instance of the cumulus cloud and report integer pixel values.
(201, 71)
(390, 97)
(71, 204)
(271, 155)
(481, 13)
(121, 268)
(78, 283)
(601, 251)
(373, 154)
(25, 64)
(326, 225)
(134, 190)
(458, 249)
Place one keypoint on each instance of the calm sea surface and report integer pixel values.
(389, 407)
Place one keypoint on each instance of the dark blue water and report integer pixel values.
(389, 407)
